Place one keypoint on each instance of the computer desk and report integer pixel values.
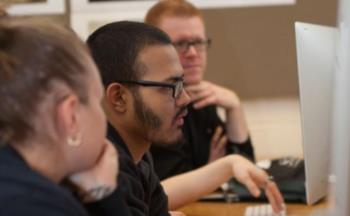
(238, 209)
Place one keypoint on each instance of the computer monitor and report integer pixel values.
(341, 114)
(315, 57)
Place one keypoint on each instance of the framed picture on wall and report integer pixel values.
(37, 7)
(88, 15)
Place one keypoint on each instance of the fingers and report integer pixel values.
(206, 93)
(274, 196)
(272, 193)
(254, 178)
(100, 180)
(218, 143)
(222, 142)
(109, 161)
(211, 100)
(216, 136)
(252, 187)
(197, 87)
(110, 152)
(203, 94)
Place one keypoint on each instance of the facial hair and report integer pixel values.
(145, 115)
(152, 122)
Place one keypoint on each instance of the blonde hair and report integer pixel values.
(34, 55)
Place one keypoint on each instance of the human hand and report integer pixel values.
(218, 144)
(206, 93)
(176, 213)
(255, 179)
(99, 181)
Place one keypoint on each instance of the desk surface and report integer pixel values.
(237, 209)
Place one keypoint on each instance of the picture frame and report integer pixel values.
(87, 15)
(48, 7)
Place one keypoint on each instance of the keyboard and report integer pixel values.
(262, 210)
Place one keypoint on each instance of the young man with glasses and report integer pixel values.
(207, 137)
(146, 103)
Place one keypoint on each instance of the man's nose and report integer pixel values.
(191, 50)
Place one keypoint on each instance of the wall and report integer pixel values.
(253, 49)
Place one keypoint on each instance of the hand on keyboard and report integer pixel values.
(262, 210)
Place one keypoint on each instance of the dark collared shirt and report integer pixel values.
(193, 152)
(138, 183)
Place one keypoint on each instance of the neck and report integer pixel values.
(136, 143)
(32, 154)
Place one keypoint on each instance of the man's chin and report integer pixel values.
(193, 79)
(169, 141)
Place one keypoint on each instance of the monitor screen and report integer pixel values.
(315, 56)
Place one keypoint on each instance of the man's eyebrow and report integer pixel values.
(182, 40)
(174, 78)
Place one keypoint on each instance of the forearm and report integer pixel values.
(236, 126)
(191, 186)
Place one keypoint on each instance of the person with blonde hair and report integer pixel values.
(52, 125)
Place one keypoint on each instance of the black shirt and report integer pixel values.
(193, 152)
(138, 183)
(26, 192)
(113, 205)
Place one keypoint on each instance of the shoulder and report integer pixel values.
(21, 205)
(24, 192)
(20, 197)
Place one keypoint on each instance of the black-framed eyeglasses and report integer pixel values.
(177, 87)
(183, 46)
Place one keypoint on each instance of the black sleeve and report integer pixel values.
(159, 204)
(114, 204)
(159, 200)
(245, 148)
(138, 192)
(124, 201)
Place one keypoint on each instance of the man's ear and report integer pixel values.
(67, 116)
(116, 97)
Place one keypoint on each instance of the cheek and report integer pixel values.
(102, 119)
(169, 112)
(100, 125)
(182, 58)
(96, 129)
(204, 59)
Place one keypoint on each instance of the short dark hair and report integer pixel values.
(116, 46)
(33, 57)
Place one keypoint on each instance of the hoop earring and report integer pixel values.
(74, 141)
